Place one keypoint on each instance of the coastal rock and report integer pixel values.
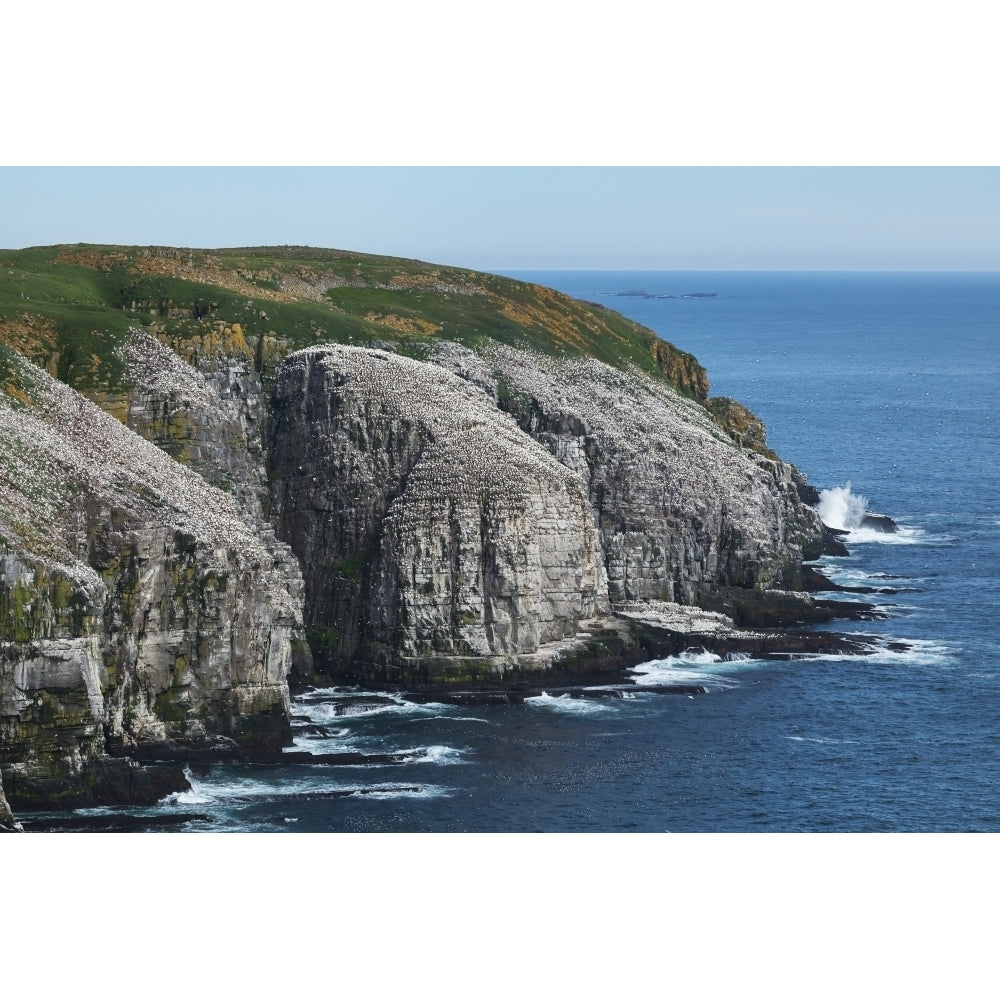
(681, 507)
(208, 413)
(879, 522)
(7, 822)
(506, 508)
(427, 523)
(136, 604)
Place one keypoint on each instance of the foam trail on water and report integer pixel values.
(437, 755)
(690, 667)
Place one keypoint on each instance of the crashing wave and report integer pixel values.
(845, 511)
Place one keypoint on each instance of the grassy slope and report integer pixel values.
(68, 308)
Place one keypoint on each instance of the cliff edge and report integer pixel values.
(224, 471)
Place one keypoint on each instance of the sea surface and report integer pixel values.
(884, 389)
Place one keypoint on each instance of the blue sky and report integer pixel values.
(905, 218)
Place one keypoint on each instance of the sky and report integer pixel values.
(496, 218)
(526, 136)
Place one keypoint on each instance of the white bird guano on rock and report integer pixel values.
(142, 606)
(463, 535)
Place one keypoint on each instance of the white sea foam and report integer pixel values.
(325, 744)
(840, 508)
(436, 755)
(566, 703)
(693, 667)
(922, 653)
(851, 576)
(347, 706)
(399, 790)
(230, 790)
(901, 536)
(845, 510)
(919, 653)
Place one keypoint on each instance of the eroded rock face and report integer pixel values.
(210, 415)
(681, 508)
(7, 822)
(427, 523)
(136, 604)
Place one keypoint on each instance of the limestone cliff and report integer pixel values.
(489, 504)
(682, 508)
(137, 606)
(427, 523)
(209, 412)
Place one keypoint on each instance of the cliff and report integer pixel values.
(324, 466)
(137, 607)
(428, 525)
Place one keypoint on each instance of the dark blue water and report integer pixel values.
(887, 381)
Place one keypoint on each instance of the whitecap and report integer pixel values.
(401, 791)
(567, 703)
(191, 797)
(912, 652)
(437, 755)
(901, 536)
(693, 668)
(839, 507)
(346, 706)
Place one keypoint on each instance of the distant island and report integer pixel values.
(638, 293)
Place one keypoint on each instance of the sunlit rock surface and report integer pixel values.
(427, 522)
(681, 507)
(137, 605)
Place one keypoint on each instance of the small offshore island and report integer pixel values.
(227, 475)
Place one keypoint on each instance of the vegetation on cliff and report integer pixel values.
(68, 308)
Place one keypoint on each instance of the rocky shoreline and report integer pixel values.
(238, 512)
(143, 774)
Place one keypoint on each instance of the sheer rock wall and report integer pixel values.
(682, 509)
(427, 523)
(137, 605)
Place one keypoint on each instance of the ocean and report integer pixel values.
(884, 388)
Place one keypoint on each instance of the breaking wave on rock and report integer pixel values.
(843, 510)
(692, 667)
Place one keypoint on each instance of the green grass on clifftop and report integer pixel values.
(67, 308)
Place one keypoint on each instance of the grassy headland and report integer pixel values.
(68, 309)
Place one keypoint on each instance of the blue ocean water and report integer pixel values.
(882, 386)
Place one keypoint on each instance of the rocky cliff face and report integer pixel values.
(487, 505)
(509, 503)
(427, 523)
(136, 605)
(208, 412)
(7, 822)
(682, 509)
